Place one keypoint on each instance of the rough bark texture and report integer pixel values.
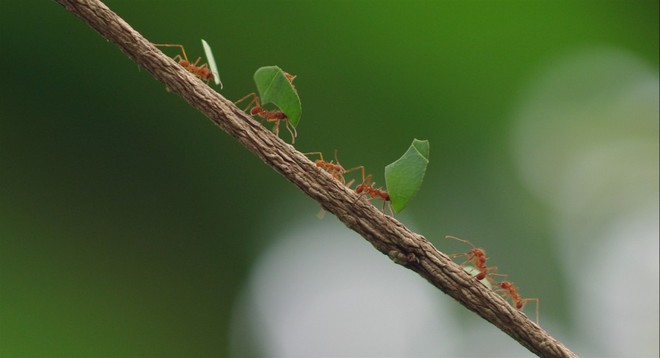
(385, 233)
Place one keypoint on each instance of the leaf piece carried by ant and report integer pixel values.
(473, 271)
(275, 86)
(404, 177)
(212, 65)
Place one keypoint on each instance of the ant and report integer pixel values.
(368, 187)
(202, 72)
(269, 116)
(477, 257)
(509, 290)
(291, 77)
(334, 168)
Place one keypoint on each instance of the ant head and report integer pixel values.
(383, 194)
(290, 77)
(482, 274)
(256, 109)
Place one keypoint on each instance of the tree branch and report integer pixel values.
(385, 233)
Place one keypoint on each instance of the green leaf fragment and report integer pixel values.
(473, 271)
(404, 176)
(274, 87)
(212, 65)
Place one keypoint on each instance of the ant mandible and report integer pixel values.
(202, 72)
(509, 290)
(477, 257)
(269, 116)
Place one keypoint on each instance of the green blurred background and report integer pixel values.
(129, 224)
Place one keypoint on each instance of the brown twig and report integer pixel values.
(385, 233)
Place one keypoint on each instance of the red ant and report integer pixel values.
(509, 290)
(202, 72)
(477, 257)
(368, 187)
(334, 168)
(269, 116)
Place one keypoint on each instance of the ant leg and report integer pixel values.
(361, 167)
(490, 275)
(360, 189)
(340, 172)
(389, 206)
(254, 95)
(461, 240)
(360, 196)
(289, 127)
(254, 101)
(276, 127)
(183, 51)
(321, 163)
(196, 61)
(336, 170)
(365, 186)
(180, 60)
(468, 259)
(536, 300)
(336, 160)
(316, 153)
(506, 295)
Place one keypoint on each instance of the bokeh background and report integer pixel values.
(130, 226)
